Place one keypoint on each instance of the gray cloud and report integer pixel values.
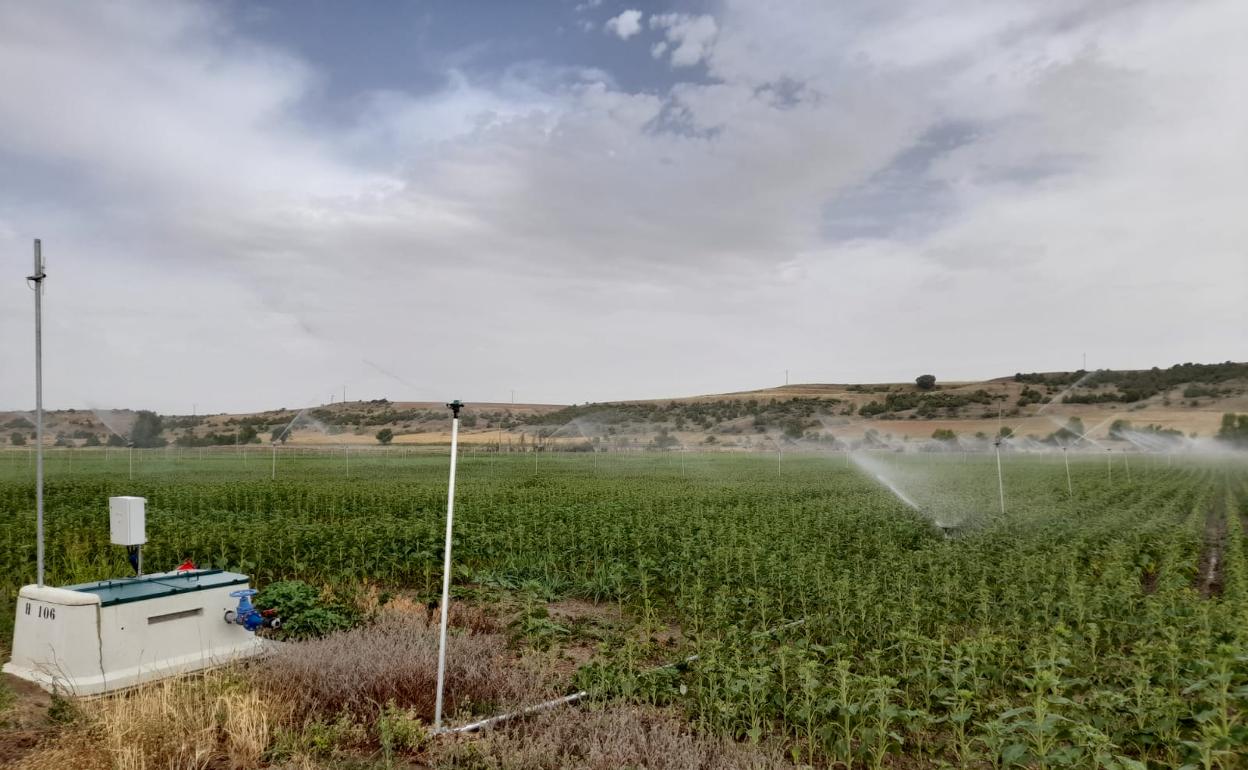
(849, 191)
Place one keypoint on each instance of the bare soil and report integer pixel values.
(1209, 573)
(24, 724)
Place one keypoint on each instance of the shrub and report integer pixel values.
(393, 661)
(385, 436)
(17, 439)
(303, 614)
(925, 381)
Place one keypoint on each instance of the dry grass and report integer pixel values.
(594, 739)
(366, 696)
(214, 721)
(393, 660)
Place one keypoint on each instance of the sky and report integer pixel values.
(250, 205)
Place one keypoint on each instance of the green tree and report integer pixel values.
(1234, 429)
(385, 436)
(663, 440)
(115, 440)
(944, 434)
(280, 433)
(146, 430)
(17, 439)
(247, 434)
(925, 381)
(91, 440)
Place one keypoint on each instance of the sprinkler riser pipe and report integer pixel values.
(446, 571)
(38, 281)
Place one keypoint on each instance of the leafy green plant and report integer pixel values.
(304, 615)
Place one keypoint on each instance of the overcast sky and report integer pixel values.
(248, 205)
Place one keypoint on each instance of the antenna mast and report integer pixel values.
(37, 281)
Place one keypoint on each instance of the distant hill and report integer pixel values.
(1188, 398)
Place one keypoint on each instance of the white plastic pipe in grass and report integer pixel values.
(576, 697)
(454, 406)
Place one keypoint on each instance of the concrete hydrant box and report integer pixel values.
(96, 637)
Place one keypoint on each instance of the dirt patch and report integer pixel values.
(1209, 571)
(24, 722)
(579, 610)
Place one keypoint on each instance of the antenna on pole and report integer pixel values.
(454, 406)
(37, 281)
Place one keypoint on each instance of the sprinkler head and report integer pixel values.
(455, 406)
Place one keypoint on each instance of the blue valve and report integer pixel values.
(246, 614)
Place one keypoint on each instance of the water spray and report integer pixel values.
(454, 406)
(36, 282)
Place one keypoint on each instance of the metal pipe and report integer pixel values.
(455, 406)
(37, 279)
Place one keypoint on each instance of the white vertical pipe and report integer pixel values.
(1070, 487)
(446, 577)
(1000, 479)
(38, 281)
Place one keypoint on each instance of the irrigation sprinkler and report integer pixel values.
(273, 472)
(454, 406)
(37, 281)
(131, 447)
(1109, 464)
(1126, 461)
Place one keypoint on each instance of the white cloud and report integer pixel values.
(624, 26)
(201, 232)
(691, 36)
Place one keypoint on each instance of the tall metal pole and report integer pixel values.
(454, 406)
(37, 280)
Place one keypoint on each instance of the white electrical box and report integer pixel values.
(126, 523)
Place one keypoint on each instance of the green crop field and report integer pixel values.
(1103, 628)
